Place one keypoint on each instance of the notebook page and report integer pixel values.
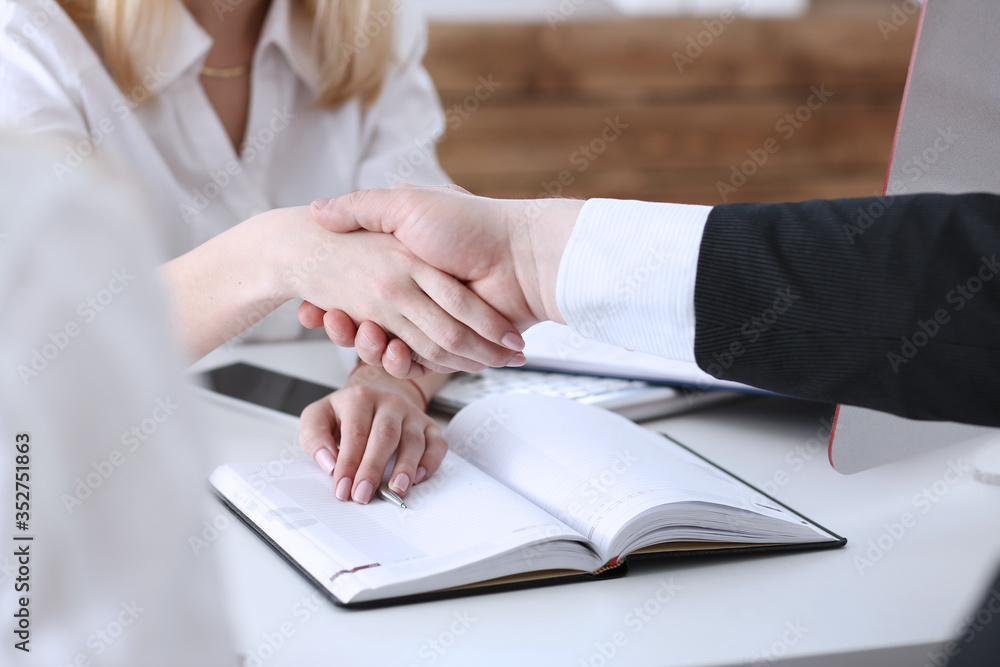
(555, 347)
(591, 468)
(457, 517)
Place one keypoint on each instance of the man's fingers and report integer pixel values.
(370, 343)
(340, 328)
(366, 209)
(310, 316)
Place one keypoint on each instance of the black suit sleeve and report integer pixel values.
(888, 303)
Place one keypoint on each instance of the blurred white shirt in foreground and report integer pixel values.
(115, 472)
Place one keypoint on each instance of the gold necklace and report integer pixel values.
(225, 72)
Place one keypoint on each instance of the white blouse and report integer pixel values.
(53, 82)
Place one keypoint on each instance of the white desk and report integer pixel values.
(812, 608)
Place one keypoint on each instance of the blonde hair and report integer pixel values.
(351, 40)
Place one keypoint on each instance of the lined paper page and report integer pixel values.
(457, 517)
(593, 469)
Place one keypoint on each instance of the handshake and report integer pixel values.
(505, 253)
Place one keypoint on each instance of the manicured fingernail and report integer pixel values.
(364, 492)
(421, 474)
(389, 353)
(401, 483)
(517, 360)
(512, 341)
(320, 203)
(366, 341)
(325, 460)
(344, 489)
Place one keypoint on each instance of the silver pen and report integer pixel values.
(388, 494)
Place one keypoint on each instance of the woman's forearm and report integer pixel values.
(224, 286)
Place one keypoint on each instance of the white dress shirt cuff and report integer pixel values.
(627, 275)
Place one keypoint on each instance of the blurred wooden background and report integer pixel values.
(686, 129)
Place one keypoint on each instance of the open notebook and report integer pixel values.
(533, 489)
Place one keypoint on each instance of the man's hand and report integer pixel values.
(506, 251)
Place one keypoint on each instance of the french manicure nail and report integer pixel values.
(421, 474)
(325, 460)
(401, 483)
(344, 489)
(320, 203)
(512, 341)
(364, 493)
(517, 360)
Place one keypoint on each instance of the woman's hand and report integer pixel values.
(353, 433)
(230, 282)
(372, 277)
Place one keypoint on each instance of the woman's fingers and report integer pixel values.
(383, 440)
(411, 449)
(434, 450)
(372, 425)
(316, 434)
(493, 340)
(354, 419)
